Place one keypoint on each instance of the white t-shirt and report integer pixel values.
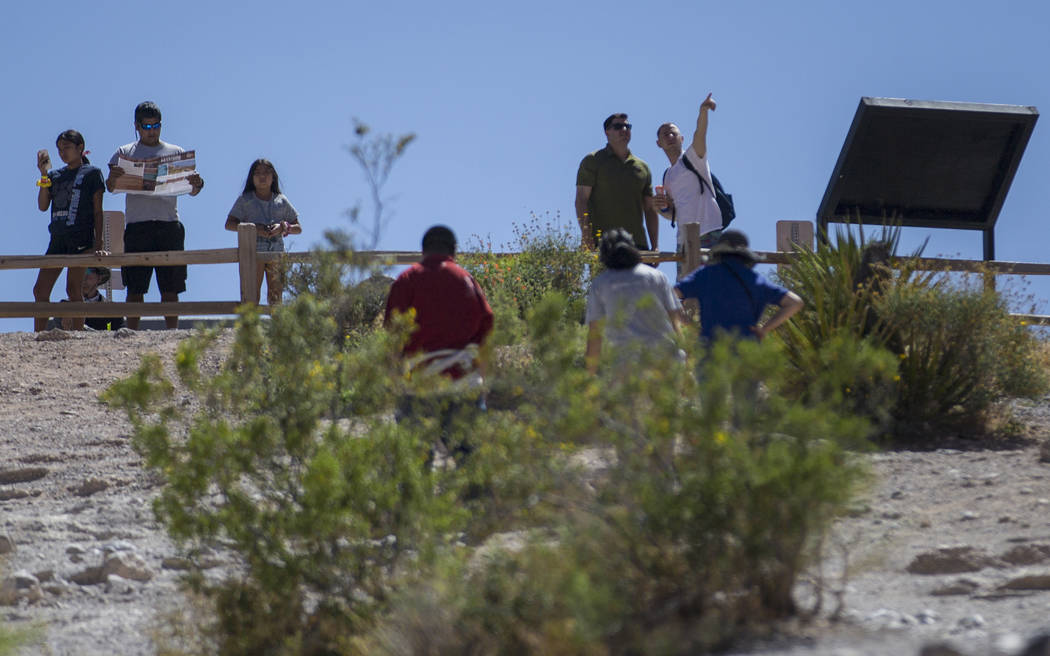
(690, 205)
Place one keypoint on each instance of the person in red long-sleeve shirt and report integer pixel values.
(453, 318)
(451, 310)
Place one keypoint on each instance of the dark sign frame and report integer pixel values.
(927, 164)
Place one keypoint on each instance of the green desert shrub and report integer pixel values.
(320, 517)
(546, 257)
(354, 287)
(11, 640)
(366, 304)
(654, 509)
(841, 282)
(850, 373)
(541, 373)
(509, 601)
(711, 506)
(287, 456)
(701, 508)
(957, 349)
(14, 640)
(960, 351)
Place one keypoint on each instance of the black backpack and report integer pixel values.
(724, 200)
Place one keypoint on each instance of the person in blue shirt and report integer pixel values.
(732, 295)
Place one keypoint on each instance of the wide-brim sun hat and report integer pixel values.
(734, 242)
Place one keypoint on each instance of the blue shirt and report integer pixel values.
(728, 302)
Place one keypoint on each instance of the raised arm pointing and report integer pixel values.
(700, 136)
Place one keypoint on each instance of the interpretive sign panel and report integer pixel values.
(927, 163)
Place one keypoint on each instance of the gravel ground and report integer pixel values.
(86, 560)
(949, 545)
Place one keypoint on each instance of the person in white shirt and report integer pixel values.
(684, 198)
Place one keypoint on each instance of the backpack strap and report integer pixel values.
(722, 199)
(747, 290)
(689, 165)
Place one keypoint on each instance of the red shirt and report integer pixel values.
(451, 309)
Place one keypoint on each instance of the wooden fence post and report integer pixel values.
(692, 247)
(246, 261)
(691, 264)
(113, 242)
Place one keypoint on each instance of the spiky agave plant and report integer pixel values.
(842, 281)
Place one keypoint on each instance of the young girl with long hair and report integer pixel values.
(263, 204)
(74, 195)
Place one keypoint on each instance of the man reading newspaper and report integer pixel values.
(151, 214)
(160, 176)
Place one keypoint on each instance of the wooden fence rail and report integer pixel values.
(246, 257)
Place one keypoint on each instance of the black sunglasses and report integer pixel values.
(149, 126)
(620, 126)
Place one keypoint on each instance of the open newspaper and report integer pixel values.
(158, 176)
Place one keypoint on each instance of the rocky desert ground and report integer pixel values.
(949, 549)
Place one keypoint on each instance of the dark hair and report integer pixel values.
(439, 240)
(249, 184)
(662, 126)
(613, 117)
(102, 273)
(147, 108)
(76, 139)
(617, 250)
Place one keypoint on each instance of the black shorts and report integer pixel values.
(148, 237)
(70, 242)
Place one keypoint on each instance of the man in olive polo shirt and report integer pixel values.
(614, 189)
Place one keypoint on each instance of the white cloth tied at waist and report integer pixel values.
(433, 363)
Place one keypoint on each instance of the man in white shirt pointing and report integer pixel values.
(685, 199)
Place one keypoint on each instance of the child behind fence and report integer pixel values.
(263, 204)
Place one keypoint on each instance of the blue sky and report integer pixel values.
(505, 99)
